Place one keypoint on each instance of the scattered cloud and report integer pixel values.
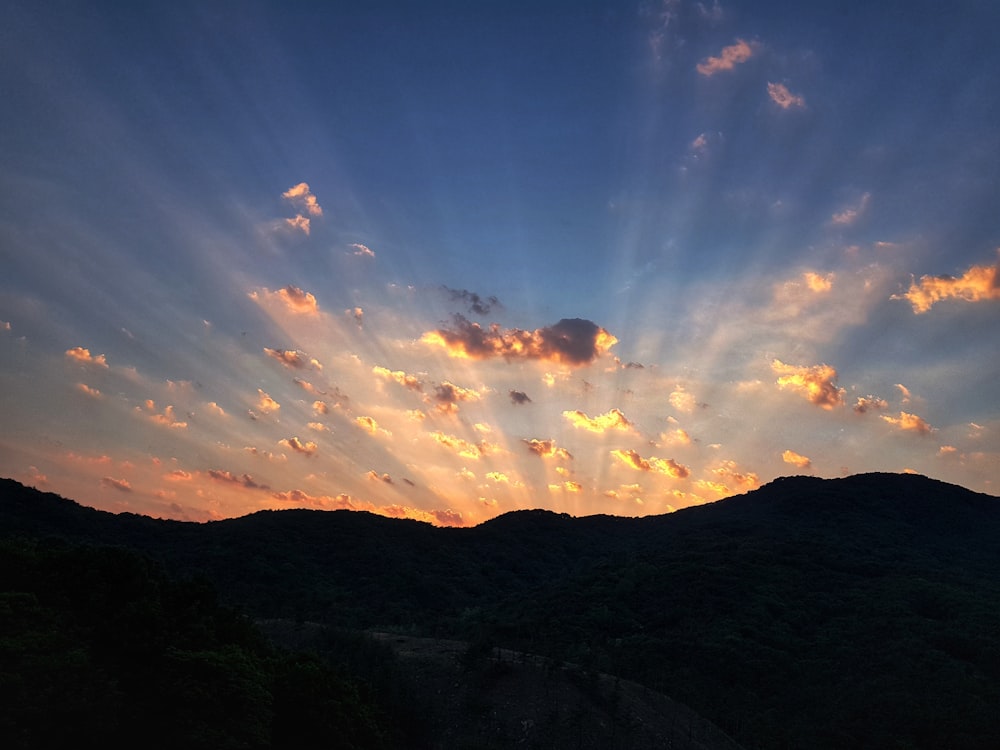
(519, 398)
(320, 407)
(301, 196)
(815, 382)
(122, 485)
(784, 98)
(362, 251)
(178, 475)
(318, 427)
(851, 214)
(243, 480)
(676, 437)
(265, 403)
(796, 459)
(83, 356)
(728, 59)
(464, 448)
(357, 313)
(665, 466)
(305, 447)
(293, 359)
(88, 391)
(612, 420)
(376, 477)
(369, 425)
(909, 422)
(294, 299)
(411, 382)
(300, 223)
(868, 403)
(166, 418)
(215, 409)
(977, 284)
(548, 449)
(447, 396)
(571, 341)
(476, 304)
(904, 393)
(682, 400)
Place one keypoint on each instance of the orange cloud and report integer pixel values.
(214, 408)
(676, 437)
(318, 427)
(816, 383)
(665, 466)
(567, 486)
(376, 477)
(784, 98)
(548, 449)
(294, 299)
(301, 196)
(865, 403)
(977, 284)
(729, 58)
(910, 422)
(447, 396)
(357, 313)
(265, 403)
(464, 448)
(613, 420)
(178, 475)
(904, 392)
(412, 382)
(796, 459)
(370, 426)
(344, 501)
(319, 407)
(83, 356)
(817, 282)
(293, 359)
(732, 479)
(571, 341)
(88, 391)
(300, 222)
(306, 448)
(166, 418)
(682, 400)
(122, 485)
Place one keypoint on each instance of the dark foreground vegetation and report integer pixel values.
(862, 612)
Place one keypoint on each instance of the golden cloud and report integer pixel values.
(265, 403)
(909, 422)
(306, 448)
(571, 341)
(815, 382)
(290, 358)
(796, 459)
(344, 501)
(612, 420)
(83, 356)
(728, 59)
(977, 284)
(300, 223)
(464, 448)
(412, 382)
(294, 299)
(866, 403)
(548, 449)
(300, 195)
(665, 466)
(682, 400)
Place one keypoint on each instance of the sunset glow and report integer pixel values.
(444, 261)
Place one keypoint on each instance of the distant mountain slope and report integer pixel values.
(857, 612)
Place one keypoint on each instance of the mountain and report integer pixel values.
(856, 612)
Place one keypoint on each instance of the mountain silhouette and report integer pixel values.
(820, 613)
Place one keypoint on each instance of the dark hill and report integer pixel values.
(857, 612)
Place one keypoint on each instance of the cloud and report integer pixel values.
(796, 459)
(369, 425)
(977, 284)
(178, 475)
(816, 383)
(612, 420)
(320, 407)
(294, 299)
(733, 479)
(519, 398)
(464, 448)
(122, 485)
(357, 313)
(728, 59)
(567, 486)
(476, 304)
(571, 341)
(308, 387)
(851, 214)
(214, 408)
(867, 403)
(83, 356)
(682, 400)
(904, 393)
(299, 222)
(665, 466)
(318, 427)
(362, 251)
(676, 437)
(818, 283)
(411, 382)
(301, 196)
(909, 422)
(88, 391)
(293, 359)
(376, 477)
(265, 403)
(784, 98)
(306, 448)
(548, 449)
(244, 480)
(166, 418)
(447, 396)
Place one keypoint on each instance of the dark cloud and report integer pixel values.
(573, 341)
(519, 398)
(477, 305)
(244, 480)
(122, 485)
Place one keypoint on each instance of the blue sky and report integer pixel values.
(446, 260)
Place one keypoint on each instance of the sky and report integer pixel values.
(447, 260)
